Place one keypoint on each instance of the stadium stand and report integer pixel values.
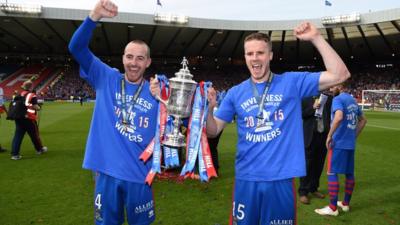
(214, 48)
(68, 86)
(36, 73)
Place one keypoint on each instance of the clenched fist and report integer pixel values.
(104, 9)
(155, 87)
(306, 31)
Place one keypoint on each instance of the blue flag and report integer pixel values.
(328, 3)
(159, 2)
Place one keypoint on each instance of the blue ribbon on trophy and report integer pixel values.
(197, 148)
(154, 147)
(206, 170)
(177, 96)
(171, 156)
(193, 137)
(202, 166)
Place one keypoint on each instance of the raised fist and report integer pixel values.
(306, 31)
(103, 9)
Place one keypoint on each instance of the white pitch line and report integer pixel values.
(383, 127)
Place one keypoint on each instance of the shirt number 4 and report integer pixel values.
(97, 201)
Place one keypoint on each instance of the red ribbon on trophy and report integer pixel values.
(159, 137)
(181, 97)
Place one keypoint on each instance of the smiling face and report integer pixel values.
(258, 54)
(136, 59)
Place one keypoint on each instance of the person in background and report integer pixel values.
(347, 123)
(28, 124)
(3, 109)
(213, 143)
(315, 129)
(81, 98)
(15, 93)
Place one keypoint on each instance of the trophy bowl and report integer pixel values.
(179, 103)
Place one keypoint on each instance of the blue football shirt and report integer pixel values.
(113, 148)
(272, 148)
(345, 135)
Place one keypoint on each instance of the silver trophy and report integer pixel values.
(179, 103)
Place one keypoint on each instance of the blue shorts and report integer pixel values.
(114, 196)
(264, 203)
(340, 161)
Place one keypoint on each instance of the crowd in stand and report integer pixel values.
(374, 80)
(70, 86)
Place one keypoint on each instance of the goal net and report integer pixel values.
(382, 100)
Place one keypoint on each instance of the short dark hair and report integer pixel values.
(259, 37)
(346, 85)
(140, 42)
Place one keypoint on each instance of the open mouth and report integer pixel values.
(256, 67)
(134, 69)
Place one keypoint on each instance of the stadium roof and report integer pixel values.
(375, 38)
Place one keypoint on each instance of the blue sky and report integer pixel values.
(235, 9)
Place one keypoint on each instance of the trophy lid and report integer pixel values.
(184, 74)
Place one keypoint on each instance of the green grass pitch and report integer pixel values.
(53, 189)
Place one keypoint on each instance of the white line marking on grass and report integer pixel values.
(383, 127)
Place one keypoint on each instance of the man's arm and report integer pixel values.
(336, 71)
(36, 107)
(337, 119)
(361, 124)
(79, 44)
(214, 125)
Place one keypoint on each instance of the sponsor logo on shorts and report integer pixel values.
(145, 208)
(281, 222)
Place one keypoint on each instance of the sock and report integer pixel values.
(333, 189)
(350, 182)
